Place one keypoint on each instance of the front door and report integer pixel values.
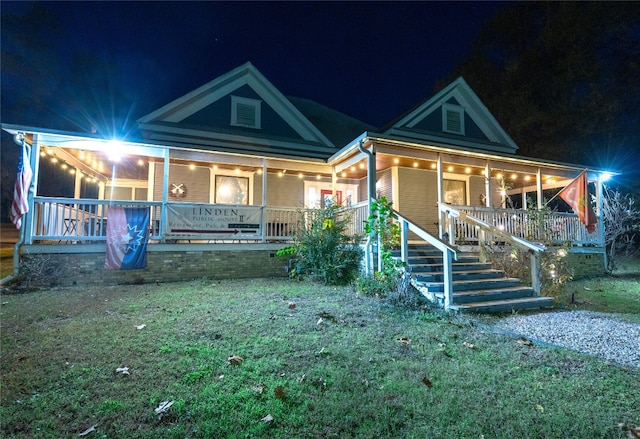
(326, 197)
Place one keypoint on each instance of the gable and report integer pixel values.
(456, 117)
(240, 106)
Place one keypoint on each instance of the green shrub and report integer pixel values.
(322, 249)
(392, 278)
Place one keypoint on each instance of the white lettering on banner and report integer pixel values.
(213, 221)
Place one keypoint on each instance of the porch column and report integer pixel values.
(442, 227)
(34, 160)
(165, 195)
(599, 214)
(539, 188)
(264, 200)
(487, 184)
(334, 183)
(77, 184)
(524, 198)
(371, 188)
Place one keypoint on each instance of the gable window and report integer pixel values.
(452, 119)
(245, 112)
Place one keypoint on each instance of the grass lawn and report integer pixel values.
(618, 294)
(336, 365)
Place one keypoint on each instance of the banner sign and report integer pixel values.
(127, 236)
(214, 222)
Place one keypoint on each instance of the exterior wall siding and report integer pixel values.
(418, 192)
(285, 191)
(384, 185)
(87, 268)
(197, 182)
(476, 190)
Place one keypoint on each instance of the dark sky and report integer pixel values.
(371, 60)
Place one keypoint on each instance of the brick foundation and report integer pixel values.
(586, 264)
(85, 266)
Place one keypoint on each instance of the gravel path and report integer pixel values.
(585, 331)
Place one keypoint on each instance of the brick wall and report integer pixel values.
(586, 264)
(87, 268)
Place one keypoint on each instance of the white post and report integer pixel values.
(535, 273)
(539, 188)
(448, 278)
(600, 216)
(487, 184)
(440, 188)
(165, 195)
(34, 161)
(404, 243)
(263, 222)
(334, 185)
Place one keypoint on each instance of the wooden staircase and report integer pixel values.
(477, 286)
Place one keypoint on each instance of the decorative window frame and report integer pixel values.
(253, 103)
(447, 108)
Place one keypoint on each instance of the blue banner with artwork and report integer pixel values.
(127, 236)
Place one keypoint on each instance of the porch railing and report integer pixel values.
(66, 220)
(555, 227)
(73, 220)
(449, 253)
(355, 215)
(454, 217)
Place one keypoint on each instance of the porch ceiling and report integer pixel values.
(517, 176)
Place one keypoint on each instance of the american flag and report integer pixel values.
(20, 204)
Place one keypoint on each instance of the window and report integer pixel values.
(455, 192)
(232, 190)
(245, 112)
(452, 119)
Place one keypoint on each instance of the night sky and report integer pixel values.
(370, 60)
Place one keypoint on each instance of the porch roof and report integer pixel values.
(429, 151)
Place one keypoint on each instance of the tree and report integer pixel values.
(561, 78)
(622, 225)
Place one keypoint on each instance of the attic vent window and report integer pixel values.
(245, 112)
(452, 119)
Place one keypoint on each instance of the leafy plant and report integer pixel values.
(555, 271)
(322, 248)
(392, 276)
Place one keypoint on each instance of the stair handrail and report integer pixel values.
(533, 248)
(449, 252)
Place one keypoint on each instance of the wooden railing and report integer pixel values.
(66, 220)
(449, 253)
(485, 231)
(556, 227)
(72, 220)
(356, 216)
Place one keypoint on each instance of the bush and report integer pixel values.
(322, 249)
(392, 279)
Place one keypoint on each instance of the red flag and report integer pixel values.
(576, 195)
(20, 204)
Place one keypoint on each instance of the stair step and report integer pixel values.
(480, 284)
(461, 275)
(437, 259)
(456, 266)
(475, 296)
(506, 305)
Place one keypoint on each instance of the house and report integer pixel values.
(228, 168)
